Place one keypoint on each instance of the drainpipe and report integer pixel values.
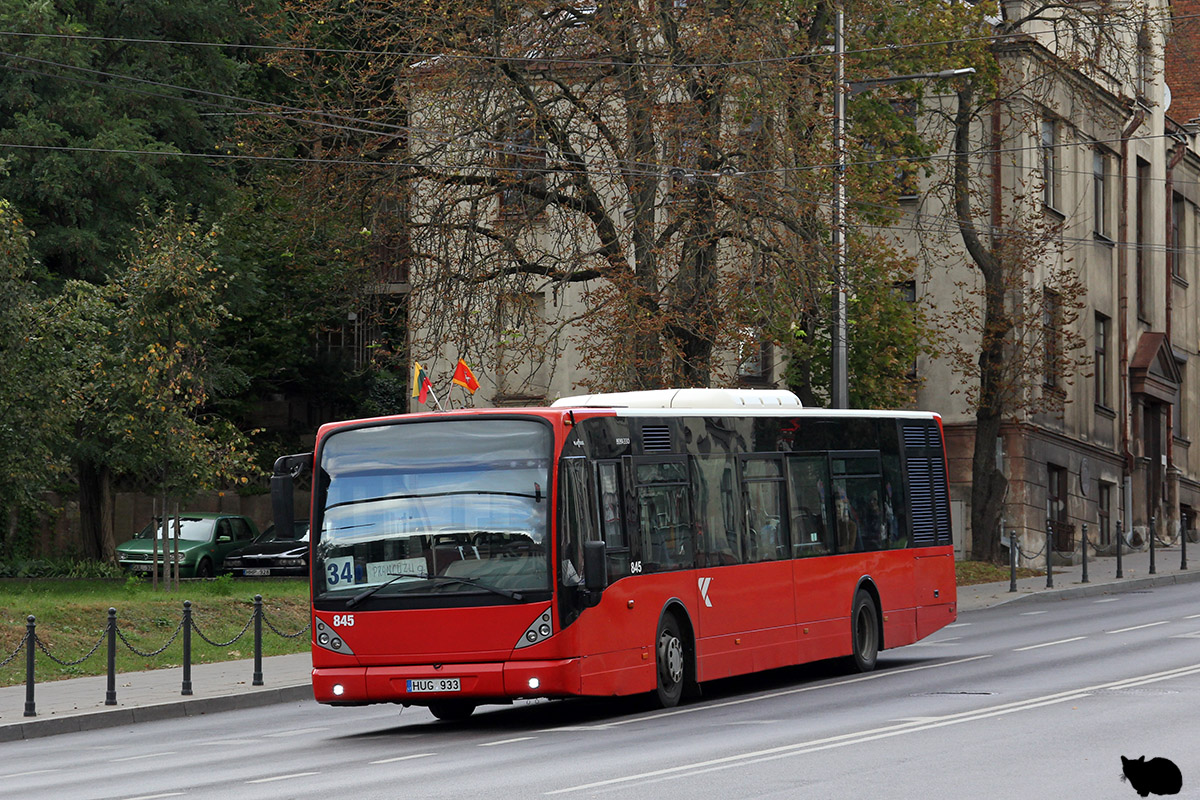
(1172, 487)
(1139, 116)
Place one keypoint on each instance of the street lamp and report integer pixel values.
(839, 379)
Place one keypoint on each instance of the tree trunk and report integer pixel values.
(95, 510)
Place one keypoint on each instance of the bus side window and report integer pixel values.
(766, 527)
(664, 516)
(812, 533)
(613, 526)
(714, 481)
(576, 522)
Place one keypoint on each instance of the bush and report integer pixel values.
(58, 568)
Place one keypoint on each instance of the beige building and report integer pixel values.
(1093, 168)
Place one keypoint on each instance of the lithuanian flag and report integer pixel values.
(420, 383)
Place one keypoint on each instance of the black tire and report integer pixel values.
(204, 569)
(670, 658)
(452, 710)
(864, 632)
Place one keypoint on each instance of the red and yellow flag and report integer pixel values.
(420, 383)
(464, 377)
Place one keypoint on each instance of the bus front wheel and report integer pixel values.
(452, 710)
(670, 661)
(864, 630)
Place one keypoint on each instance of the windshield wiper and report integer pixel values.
(365, 593)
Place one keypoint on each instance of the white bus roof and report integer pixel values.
(686, 398)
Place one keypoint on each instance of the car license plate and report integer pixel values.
(139, 567)
(434, 685)
(257, 571)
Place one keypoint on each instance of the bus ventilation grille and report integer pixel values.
(656, 439)
(926, 467)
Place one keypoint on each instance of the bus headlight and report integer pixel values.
(539, 630)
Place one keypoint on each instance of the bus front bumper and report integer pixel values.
(429, 683)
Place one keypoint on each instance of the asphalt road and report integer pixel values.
(1027, 700)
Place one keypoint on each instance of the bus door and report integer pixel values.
(747, 617)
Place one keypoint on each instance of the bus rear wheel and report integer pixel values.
(864, 632)
(452, 710)
(671, 662)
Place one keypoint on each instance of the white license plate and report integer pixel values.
(257, 571)
(434, 685)
(139, 567)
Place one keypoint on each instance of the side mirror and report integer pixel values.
(595, 570)
(287, 469)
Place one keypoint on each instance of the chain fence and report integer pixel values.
(31, 644)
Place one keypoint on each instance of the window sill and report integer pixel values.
(1100, 238)
(1179, 281)
(1104, 411)
(1054, 212)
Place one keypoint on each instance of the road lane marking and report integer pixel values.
(144, 755)
(784, 693)
(506, 741)
(27, 774)
(1107, 600)
(1031, 613)
(403, 758)
(284, 777)
(887, 731)
(928, 643)
(1193, 616)
(297, 732)
(1192, 635)
(1048, 644)
(959, 624)
(155, 796)
(1139, 627)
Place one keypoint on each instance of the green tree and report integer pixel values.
(94, 126)
(147, 414)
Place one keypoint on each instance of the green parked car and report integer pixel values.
(204, 541)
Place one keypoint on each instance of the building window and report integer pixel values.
(522, 172)
(1104, 497)
(1056, 508)
(1100, 204)
(1103, 332)
(1144, 190)
(1179, 218)
(754, 358)
(1052, 339)
(1050, 163)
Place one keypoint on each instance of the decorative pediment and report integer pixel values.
(1153, 371)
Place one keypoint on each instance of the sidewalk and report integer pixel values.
(1102, 578)
(78, 704)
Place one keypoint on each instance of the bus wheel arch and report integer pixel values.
(866, 626)
(674, 656)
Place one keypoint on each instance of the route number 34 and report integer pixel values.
(343, 620)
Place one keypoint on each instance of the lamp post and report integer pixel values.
(839, 378)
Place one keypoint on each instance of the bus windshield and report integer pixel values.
(457, 498)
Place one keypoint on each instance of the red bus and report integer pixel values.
(617, 544)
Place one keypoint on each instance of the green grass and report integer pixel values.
(71, 616)
(969, 573)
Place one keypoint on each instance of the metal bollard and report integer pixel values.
(1182, 547)
(30, 644)
(1085, 544)
(257, 678)
(1012, 561)
(1120, 537)
(110, 696)
(1049, 549)
(1152, 526)
(187, 648)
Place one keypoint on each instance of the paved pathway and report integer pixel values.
(78, 703)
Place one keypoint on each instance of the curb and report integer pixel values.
(110, 718)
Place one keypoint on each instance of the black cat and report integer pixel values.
(1157, 776)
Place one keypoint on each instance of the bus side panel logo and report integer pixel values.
(704, 582)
